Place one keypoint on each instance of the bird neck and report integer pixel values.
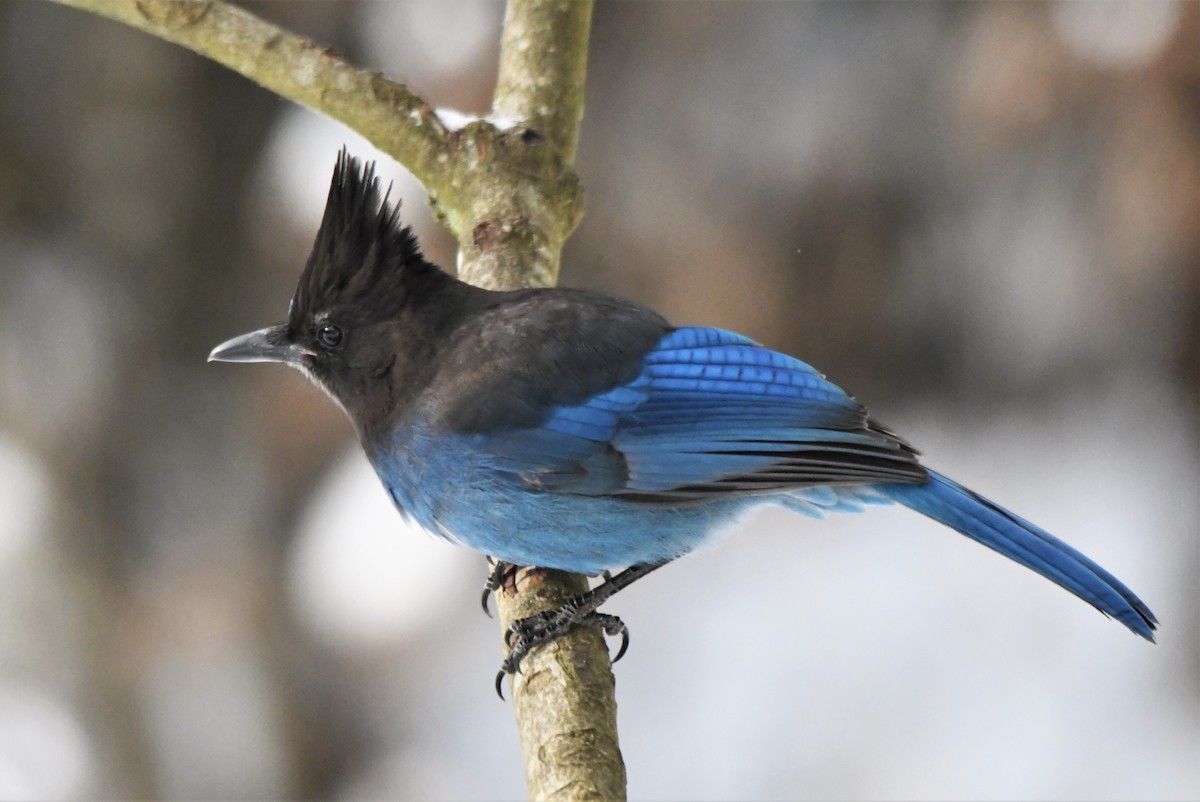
(434, 309)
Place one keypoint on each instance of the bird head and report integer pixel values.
(361, 322)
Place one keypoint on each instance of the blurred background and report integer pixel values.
(982, 219)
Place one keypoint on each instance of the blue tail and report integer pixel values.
(950, 503)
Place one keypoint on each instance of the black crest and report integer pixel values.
(362, 256)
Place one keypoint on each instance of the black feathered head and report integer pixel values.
(368, 310)
(362, 258)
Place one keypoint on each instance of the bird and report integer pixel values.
(566, 429)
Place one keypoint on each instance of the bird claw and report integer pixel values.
(527, 633)
(501, 674)
(501, 575)
(614, 626)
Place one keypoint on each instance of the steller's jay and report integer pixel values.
(565, 429)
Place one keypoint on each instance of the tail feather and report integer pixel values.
(965, 511)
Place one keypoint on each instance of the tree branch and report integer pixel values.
(384, 111)
(564, 699)
(511, 197)
(543, 62)
(502, 192)
(517, 237)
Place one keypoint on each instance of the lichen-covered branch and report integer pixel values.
(511, 197)
(518, 230)
(384, 111)
(564, 699)
(502, 192)
(543, 61)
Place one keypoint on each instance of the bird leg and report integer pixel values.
(525, 634)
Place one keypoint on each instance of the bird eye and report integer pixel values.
(329, 336)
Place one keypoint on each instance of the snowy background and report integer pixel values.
(982, 219)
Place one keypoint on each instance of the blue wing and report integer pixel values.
(714, 414)
(710, 413)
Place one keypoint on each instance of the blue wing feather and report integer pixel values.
(712, 412)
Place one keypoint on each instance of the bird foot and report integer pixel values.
(528, 633)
